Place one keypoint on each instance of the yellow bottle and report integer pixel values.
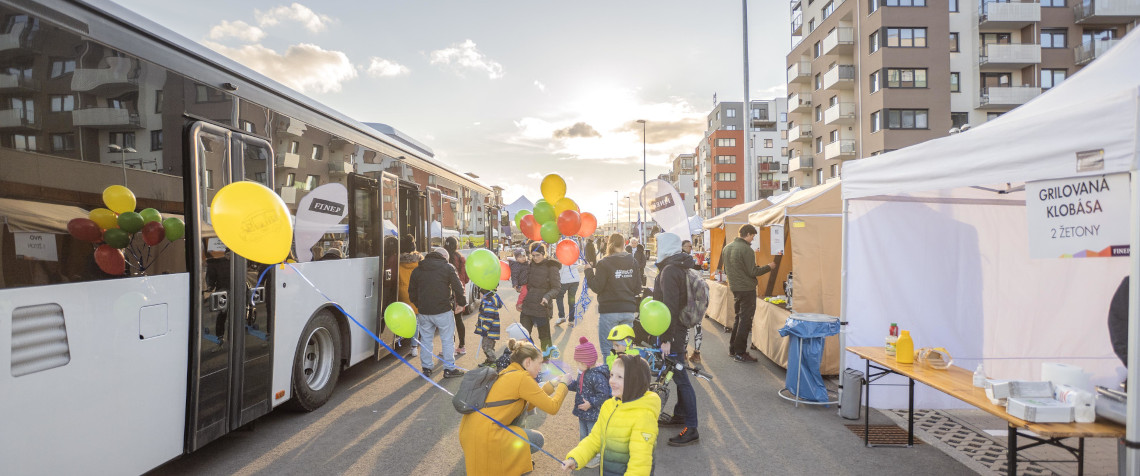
(904, 348)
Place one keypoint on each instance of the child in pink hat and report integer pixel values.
(592, 388)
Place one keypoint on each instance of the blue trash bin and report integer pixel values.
(805, 351)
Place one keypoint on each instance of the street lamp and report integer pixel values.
(641, 230)
(617, 209)
(123, 157)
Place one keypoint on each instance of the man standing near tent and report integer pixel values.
(740, 265)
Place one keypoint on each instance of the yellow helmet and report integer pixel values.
(620, 332)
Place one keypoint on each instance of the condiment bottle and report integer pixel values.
(904, 349)
(894, 329)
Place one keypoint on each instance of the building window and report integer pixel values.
(832, 101)
(818, 113)
(294, 147)
(730, 112)
(783, 117)
(953, 42)
(906, 78)
(248, 127)
(202, 93)
(726, 176)
(907, 119)
(906, 37)
(816, 49)
(62, 142)
(1051, 77)
(818, 176)
(123, 139)
(953, 6)
(904, 3)
(729, 142)
(955, 87)
(834, 170)
(876, 121)
(209, 179)
(829, 8)
(317, 152)
(792, 182)
(726, 194)
(1053, 37)
(811, 25)
(1090, 35)
(872, 6)
(819, 145)
(959, 119)
(874, 41)
(767, 143)
(726, 159)
(833, 136)
(158, 97)
(312, 181)
(784, 151)
(993, 115)
(61, 67)
(291, 179)
(156, 140)
(818, 81)
(63, 103)
(730, 127)
(874, 81)
(1053, 3)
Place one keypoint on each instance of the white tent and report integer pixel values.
(522, 203)
(936, 236)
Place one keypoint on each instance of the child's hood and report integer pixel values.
(649, 402)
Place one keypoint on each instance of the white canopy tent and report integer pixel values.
(936, 237)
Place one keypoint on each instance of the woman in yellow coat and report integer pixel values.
(490, 450)
(626, 431)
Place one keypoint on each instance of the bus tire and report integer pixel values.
(316, 367)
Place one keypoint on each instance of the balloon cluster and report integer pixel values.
(114, 227)
(555, 217)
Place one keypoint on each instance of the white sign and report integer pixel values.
(666, 207)
(777, 236)
(1080, 217)
(214, 244)
(35, 246)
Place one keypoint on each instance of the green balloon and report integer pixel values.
(174, 228)
(117, 238)
(544, 213)
(645, 301)
(483, 269)
(519, 216)
(149, 215)
(655, 317)
(401, 319)
(131, 222)
(549, 232)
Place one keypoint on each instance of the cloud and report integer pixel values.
(237, 29)
(465, 56)
(382, 68)
(538, 84)
(657, 132)
(296, 13)
(579, 129)
(304, 67)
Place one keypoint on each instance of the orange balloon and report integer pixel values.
(504, 270)
(589, 224)
(567, 252)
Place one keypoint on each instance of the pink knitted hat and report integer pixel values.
(585, 352)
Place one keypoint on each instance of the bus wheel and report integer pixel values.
(316, 367)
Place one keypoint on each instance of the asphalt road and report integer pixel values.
(384, 420)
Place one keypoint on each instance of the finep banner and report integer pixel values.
(665, 206)
(1080, 217)
(319, 212)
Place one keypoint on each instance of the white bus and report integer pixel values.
(117, 373)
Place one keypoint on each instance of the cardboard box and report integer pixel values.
(1040, 410)
(998, 389)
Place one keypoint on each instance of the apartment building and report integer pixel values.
(733, 170)
(872, 76)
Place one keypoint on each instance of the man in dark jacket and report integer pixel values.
(543, 284)
(617, 281)
(740, 265)
(671, 288)
(433, 287)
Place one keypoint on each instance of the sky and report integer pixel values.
(511, 90)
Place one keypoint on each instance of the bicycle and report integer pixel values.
(662, 369)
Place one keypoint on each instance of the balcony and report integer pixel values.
(118, 78)
(800, 163)
(841, 41)
(797, 23)
(105, 118)
(800, 133)
(840, 114)
(842, 149)
(288, 195)
(763, 119)
(17, 82)
(288, 160)
(768, 167)
(1008, 56)
(799, 102)
(1006, 97)
(18, 36)
(1086, 52)
(799, 72)
(1103, 12)
(769, 185)
(1008, 15)
(840, 76)
(340, 167)
(17, 119)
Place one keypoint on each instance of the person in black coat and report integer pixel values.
(671, 288)
(433, 288)
(543, 284)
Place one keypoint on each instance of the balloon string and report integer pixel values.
(409, 364)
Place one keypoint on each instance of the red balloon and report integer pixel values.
(504, 270)
(85, 229)
(110, 260)
(589, 224)
(530, 228)
(153, 233)
(567, 252)
(569, 222)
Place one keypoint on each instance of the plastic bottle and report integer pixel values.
(980, 377)
(904, 348)
(894, 329)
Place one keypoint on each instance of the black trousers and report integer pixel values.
(744, 303)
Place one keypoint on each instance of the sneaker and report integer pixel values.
(460, 351)
(687, 437)
(666, 420)
(560, 321)
(594, 462)
(695, 357)
(487, 363)
(427, 371)
(744, 357)
(451, 373)
(415, 352)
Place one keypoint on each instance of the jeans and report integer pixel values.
(584, 428)
(686, 407)
(445, 324)
(744, 302)
(569, 290)
(608, 321)
(543, 323)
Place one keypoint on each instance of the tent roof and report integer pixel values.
(522, 203)
(819, 200)
(738, 215)
(1095, 109)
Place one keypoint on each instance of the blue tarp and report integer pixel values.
(808, 332)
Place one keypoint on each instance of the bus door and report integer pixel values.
(413, 218)
(232, 345)
(390, 219)
(364, 230)
(435, 217)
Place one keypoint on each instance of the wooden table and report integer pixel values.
(958, 383)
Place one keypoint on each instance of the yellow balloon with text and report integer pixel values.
(253, 221)
(106, 219)
(563, 205)
(119, 199)
(553, 188)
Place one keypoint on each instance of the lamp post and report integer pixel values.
(122, 158)
(641, 229)
(616, 210)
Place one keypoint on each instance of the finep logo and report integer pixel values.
(661, 203)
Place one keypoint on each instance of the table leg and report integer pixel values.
(1011, 442)
(1080, 457)
(867, 409)
(910, 417)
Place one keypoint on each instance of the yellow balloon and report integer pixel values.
(119, 199)
(252, 221)
(563, 205)
(106, 219)
(553, 188)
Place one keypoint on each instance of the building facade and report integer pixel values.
(683, 177)
(732, 170)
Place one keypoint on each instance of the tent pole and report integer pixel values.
(1132, 433)
(843, 305)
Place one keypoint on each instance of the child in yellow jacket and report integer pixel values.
(626, 431)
